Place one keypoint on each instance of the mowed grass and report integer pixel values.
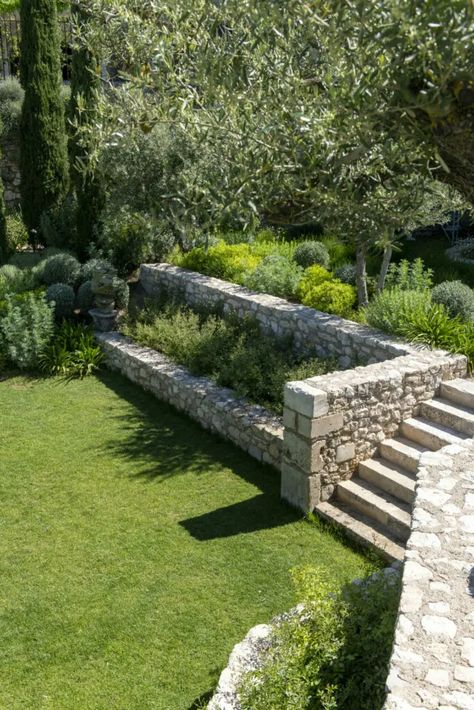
(135, 549)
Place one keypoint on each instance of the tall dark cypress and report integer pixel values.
(85, 86)
(44, 160)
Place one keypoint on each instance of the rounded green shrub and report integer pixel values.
(346, 273)
(25, 260)
(62, 295)
(85, 297)
(331, 297)
(456, 297)
(87, 270)
(230, 262)
(310, 253)
(312, 277)
(122, 294)
(61, 268)
(15, 280)
(275, 275)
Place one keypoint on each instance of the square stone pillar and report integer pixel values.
(307, 423)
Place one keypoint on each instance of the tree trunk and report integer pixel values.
(387, 257)
(361, 276)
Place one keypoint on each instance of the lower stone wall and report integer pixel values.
(249, 426)
(432, 664)
(334, 421)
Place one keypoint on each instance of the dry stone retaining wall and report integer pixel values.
(318, 333)
(249, 426)
(332, 421)
(432, 663)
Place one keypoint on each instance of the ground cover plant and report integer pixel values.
(135, 548)
(233, 352)
(334, 653)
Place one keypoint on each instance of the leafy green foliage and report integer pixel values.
(11, 101)
(346, 273)
(132, 238)
(332, 654)
(62, 296)
(224, 261)
(16, 280)
(58, 225)
(233, 352)
(457, 298)
(436, 328)
(73, 352)
(276, 275)
(44, 163)
(61, 268)
(409, 276)
(393, 308)
(26, 329)
(310, 253)
(331, 297)
(17, 233)
(87, 269)
(5, 246)
(122, 294)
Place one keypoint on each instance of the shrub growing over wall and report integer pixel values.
(276, 275)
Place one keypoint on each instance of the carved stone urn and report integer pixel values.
(104, 314)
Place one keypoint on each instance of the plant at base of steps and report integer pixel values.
(333, 653)
(73, 353)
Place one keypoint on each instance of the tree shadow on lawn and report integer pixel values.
(172, 444)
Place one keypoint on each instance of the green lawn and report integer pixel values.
(135, 549)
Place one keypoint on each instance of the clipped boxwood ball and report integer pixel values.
(456, 297)
(60, 268)
(63, 297)
(87, 270)
(310, 253)
(85, 297)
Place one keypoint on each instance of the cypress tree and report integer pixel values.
(44, 161)
(85, 86)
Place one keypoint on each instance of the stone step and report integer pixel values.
(363, 530)
(387, 510)
(459, 391)
(427, 433)
(389, 477)
(451, 415)
(402, 452)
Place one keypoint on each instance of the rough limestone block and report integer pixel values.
(345, 452)
(301, 491)
(302, 453)
(320, 427)
(306, 400)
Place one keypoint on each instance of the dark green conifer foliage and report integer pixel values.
(85, 85)
(4, 249)
(44, 161)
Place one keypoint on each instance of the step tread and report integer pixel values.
(426, 425)
(364, 530)
(462, 385)
(446, 405)
(459, 390)
(406, 446)
(378, 498)
(391, 470)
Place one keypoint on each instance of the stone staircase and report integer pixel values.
(375, 505)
